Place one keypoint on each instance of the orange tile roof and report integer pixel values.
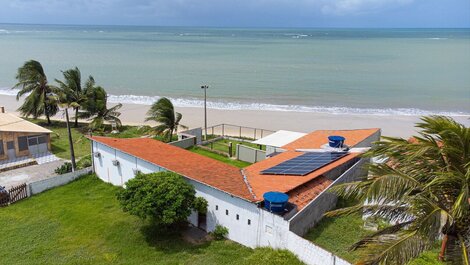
(261, 183)
(191, 165)
(305, 193)
(318, 138)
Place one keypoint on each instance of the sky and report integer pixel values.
(241, 13)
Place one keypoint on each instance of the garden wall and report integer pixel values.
(250, 154)
(46, 184)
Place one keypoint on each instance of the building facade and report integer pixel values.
(19, 138)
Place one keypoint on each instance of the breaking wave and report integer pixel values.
(230, 105)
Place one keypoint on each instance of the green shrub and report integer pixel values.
(220, 232)
(84, 162)
(65, 168)
(200, 205)
(165, 198)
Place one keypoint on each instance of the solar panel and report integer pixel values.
(304, 164)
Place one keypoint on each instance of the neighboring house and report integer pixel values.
(236, 197)
(19, 138)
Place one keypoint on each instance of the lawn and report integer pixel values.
(233, 162)
(222, 145)
(337, 234)
(82, 223)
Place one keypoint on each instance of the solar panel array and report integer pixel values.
(304, 164)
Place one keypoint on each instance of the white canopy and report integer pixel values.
(279, 138)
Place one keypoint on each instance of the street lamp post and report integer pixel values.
(205, 87)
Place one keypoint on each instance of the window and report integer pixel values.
(22, 143)
(42, 139)
(226, 212)
(32, 141)
(238, 217)
(249, 222)
(2, 152)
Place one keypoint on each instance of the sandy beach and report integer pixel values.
(391, 125)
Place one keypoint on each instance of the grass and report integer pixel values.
(233, 162)
(82, 223)
(60, 140)
(337, 234)
(222, 145)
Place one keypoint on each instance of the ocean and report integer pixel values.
(370, 71)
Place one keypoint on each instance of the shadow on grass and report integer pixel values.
(169, 239)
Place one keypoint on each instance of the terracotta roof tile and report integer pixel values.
(191, 165)
(305, 193)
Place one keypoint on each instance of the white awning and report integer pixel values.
(279, 138)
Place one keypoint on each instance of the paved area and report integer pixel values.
(29, 174)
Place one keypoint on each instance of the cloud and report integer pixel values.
(357, 7)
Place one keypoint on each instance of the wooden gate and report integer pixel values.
(13, 195)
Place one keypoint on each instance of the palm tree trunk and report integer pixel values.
(443, 248)
(72, 153)
(46, 112)
(170, 136)
(76, 117)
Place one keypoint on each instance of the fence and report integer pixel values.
(310, 253)
(13, 195)
(237, 131)
(250, 154)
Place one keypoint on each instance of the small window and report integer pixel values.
(238, 217)
(249, 222)
(42, 139)
(22, 143)
(217, 207)
(32, 141)
(226, 212)
(2, 152)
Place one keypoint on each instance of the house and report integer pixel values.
(19, 138)
(240, 199)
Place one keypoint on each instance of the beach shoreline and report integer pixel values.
(391, 125)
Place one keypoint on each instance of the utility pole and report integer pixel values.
(205, 87)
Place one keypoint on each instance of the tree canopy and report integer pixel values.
(163, 112)
(422, 190)
(165, 198)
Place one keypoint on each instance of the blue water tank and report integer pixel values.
(275, 201)
(336, 141)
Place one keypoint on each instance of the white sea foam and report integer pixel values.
(226, 105)
(437, 38)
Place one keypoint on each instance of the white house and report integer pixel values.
(235, 196)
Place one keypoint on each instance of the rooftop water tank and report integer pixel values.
(275, 201)
(336, 141)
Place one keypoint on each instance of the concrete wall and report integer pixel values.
(308, 216)
(369, 140)
(197, 132)
(249, 154)
(185, 142)
(45, 184)
(310, 253)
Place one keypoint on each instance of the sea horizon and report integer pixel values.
(377, 71)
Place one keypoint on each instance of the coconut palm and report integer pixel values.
(95, 109)
(32, 79)
(72, 87)
(164, 114)
(422, 190)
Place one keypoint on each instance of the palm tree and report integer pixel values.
(32, 79)
(64, 100)
(422, 190)
(95, 109)
(73, 88)
(164, 114)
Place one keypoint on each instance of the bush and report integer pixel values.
(165, 198)
(200, 205)
(220, 232)
(65, 168)
(84, 162)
